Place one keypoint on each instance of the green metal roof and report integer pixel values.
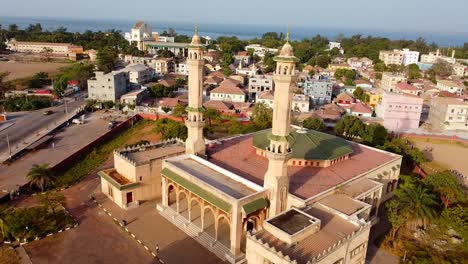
(117, 185)
(255, 206)
(197, 190)
(309, 144)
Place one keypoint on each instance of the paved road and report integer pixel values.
(26, 124)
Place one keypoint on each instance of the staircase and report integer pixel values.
(220, 250)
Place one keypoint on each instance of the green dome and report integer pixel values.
(308, 144)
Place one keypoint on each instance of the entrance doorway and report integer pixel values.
(129, 197)
(250, 225)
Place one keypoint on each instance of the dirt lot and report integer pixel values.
(446, 153)
(25, 69)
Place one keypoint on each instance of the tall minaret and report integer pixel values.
(195, 144)
(278, 153)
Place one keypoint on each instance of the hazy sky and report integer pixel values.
(426, 15)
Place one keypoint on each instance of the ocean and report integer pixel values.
(241, 31)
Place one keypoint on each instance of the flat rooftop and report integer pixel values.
(333, 228)
(212, 177)
(359, 187)
(146, 154)
(239, 156)
(292, 221)
(120, 179)
(342, 203)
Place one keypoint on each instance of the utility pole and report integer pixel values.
(66, 106)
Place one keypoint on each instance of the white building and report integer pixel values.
(410, 57)
(140, 32)
(58, 49)
(449, 86)
(460, 70)
(181, 68)
(107, 87)
(300, 102)
(228, 93)
(139, 73)
(433, 57)
(260, 50)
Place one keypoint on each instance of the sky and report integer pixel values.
(412, 15)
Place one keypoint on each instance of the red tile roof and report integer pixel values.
(218, 105)
(361, 108)
(224, 89)
(239, 156)
(406, 87)
(169, 102)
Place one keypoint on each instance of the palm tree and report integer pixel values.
(417, 203)
(40, 176)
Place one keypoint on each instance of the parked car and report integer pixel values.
(48, 112)
(77, 121)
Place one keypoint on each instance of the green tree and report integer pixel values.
(106, 59)
(160, 91)
(179, 111)
(457, 218)
(395, 68)
(395, 217)
(269, 62)
(262, 116)
(164, 53)
(445, 184)
(358, 93)
(348, 74)
(417, 203)
(52, 201)
(46, 53)
(374, 135)
(59, 85)
(40, 176)
(171, 129)
(380, 67)
(314, 123)
(350, 126)
(413, 71)
(212, 115)
(442, 68)
(39, 80)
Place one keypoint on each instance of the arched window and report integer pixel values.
(279, 70)
(279, 149)
(285, 70)
(195, 55)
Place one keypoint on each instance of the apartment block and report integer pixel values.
(449, 114)
(400, 112)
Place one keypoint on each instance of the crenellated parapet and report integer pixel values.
(123, 153)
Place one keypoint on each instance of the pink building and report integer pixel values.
(400, 112)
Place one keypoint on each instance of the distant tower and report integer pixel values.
(278, 153)
(195, 144)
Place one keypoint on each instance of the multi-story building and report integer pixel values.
(448, 114)
(449, 86)
(242, 57)
(390, 80)
(405, 88)
(319, 91)
(55, 49)
(181, 68)
(108, 86)
(228, 91)
(375, 97)
(460, 70)
(400, 112)
(335, 66)
(139, 73)
(163, 65)
(259, 84)
(410, 57)
(391, 57)
(300, 102)
(433, 57)
(260, 50)
(140, 33)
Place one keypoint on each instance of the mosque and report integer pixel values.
(283, 195)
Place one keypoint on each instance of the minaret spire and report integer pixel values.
(195, 143)
(278, 152)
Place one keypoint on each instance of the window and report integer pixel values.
(357, 250)
(141, 178)
(340, 261)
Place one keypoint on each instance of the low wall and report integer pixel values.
(435, 136)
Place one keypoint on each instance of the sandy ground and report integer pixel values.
(26, 69)
(453, 156)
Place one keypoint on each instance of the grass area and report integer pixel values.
(438, 141)
(8, 255)
(28, 223)
(433, 167)
(91, 162)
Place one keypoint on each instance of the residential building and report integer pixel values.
(181, 68)
(433, 57)
(410, 57)
(399, 57)
(259, 84)
(405, 88)
(56, 49)
(449, 86)
(300, 102)
(448, 114)
(134, 97)
(166, 105)
(375, 97)
(248, 71)
(390, 80)
(260, 50)
(364, 84)
(139, 73)
(360, 109)
(333, 67)
(400, 112)
(108, 86)
(357, 63)
(391, 57)
(460, 70)
(228, 91)
(345, 99)
(332, 45)
(319, 91)
(242, 57)
(163, 66)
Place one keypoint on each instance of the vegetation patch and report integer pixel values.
(8, 255)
